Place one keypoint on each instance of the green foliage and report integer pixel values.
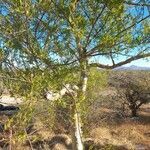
(97, 81)
(1, 54)
(44, 31)
(46, 44)
(146, 27)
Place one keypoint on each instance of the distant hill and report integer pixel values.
(132, 67)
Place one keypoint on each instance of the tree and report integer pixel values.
(52, 34)
(133, 89)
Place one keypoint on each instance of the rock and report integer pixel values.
(141, 147)
(7, 100)
(5, 108)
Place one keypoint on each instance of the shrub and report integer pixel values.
(133, 88)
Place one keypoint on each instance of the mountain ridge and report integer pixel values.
(132, 67)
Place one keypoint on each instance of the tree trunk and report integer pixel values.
(76, 133)
(77, 142)
(133, 109)
(134, 112)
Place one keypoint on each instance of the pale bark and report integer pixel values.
(77, 142)
(76, 133)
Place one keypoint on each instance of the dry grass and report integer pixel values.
(131, 132)
(106, 128)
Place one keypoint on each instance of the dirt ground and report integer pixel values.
(132, 133)
(107, 130)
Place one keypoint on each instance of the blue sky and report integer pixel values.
(141, 63)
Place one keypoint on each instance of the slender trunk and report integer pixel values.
(76, 133)
(77, 142)
(133, 109)
(134, 112)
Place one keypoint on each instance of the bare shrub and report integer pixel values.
(133, 89)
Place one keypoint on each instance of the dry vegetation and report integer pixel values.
(107, 127)
(110, 127)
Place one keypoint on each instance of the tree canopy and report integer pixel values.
(51, 33)
(41, 37)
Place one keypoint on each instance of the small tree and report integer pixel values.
(50, 34)
(133, 88)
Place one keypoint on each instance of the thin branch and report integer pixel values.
(101, 45)
(28, 138)
(112, 59)
(133, 25)
(98, 31)
(37, 25)
(97, 53)
(93, 25)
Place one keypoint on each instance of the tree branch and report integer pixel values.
(132, 25)
(93, 25)
(139, 56)
(101, 45)
(37, 25)
(112, 59)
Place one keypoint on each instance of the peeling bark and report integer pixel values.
(77, 142)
